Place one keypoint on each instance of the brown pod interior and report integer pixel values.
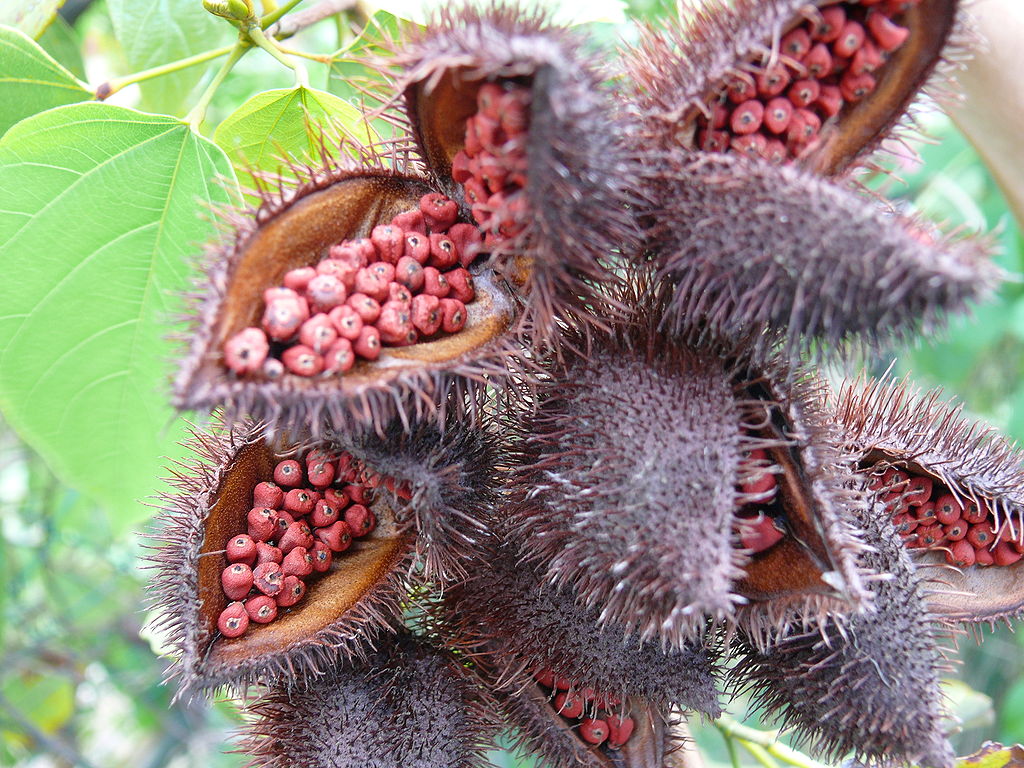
(353, 574)
(302, 234)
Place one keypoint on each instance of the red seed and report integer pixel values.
(460, 285)
(298, 279)
(830, 100)
(947, 508)
(426, 314)
(984, 557)
(323, 514)
(740, 90)
(410, 222)
(345, 273)
(771, 82)
(283, 318)
(803, 126)
(340, 357)
(267, 578)
(928, 535)
(359, 519)
(775, 151)
(346, 255)
(777, 114)
(803, 93)
(299, 501)
(292, 590)
(297, 562)
(325, 292)
(268, 553)
(284, 519)
(975, 512)
(796, 43)
(337, 536)
(568, 706)
(332, 496)
(493, 172)
(246, 351)
(289, 473)
(435, 283)
(867, 59)
(887, 33)
(277, 293)
(262, 523)
(856, 87)
(904, 524)
(241, 549)
(236, 580)
(233, 620)
(417, 246)
(370, 282)
(759, 533)
(409, 273)
(1005, 554)
(713, 141)
(261, 609)
(296, 535)
(955, 531)
(366, 307)
(443, 253)
(562, 683)
(460, 167)
(752, 145)
(368, 344)
(384, 271)
(321, 474)
(981, 535)
(851, 37)
(453, 315)
(318, 333)
(593, 730)
(960, 554)
(267, 494)
(302, 361)
(818, 60)
(389, 241)
(357, 493)
(467, 239)
(761, 486)
(514, 112)
(322, 557)
(619, 730)
(747, 117)
(928, 513)
(439, 212)
(832, 20)
(398, 292)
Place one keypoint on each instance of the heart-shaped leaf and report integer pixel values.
(31, 80)
(30, 16)
(100, 211)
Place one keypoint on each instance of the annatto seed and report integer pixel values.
(302, 361)
(267, 578)
(236, 580)
(241, 549)
(868, 58)
(803, 93)
(297, 562)
(349, 255)
(371, 283)
(233, 620)
(439, 212)
(284, 519)
(747, 117)
(460, 285)
(268, 553)
(261, 609)
(927, 513)
(332, 496)
(267, 494)
(346, 322)
(443, 254)
(366, 307)
(818, 60)
(321, 474)
(777, 114)
(851, 37)
(299, 501)
(246, 351)
(411, 222)
(434, 283)
(409, 273)
(975, 512)
(262, 523)
(759, 533)
(289, 474)
(292, 590)
(545, 677)
(928, 535)
(568, 706)
(368, 344)
(323, 514)
(468, 240)
(322, 556)
(340, 357)
(960, 554)
(831, 25)
(771, 83)
(358, 519)
(983, 557)
(338, 536)
(318, 333)
(389, 241)
(1005, 554)
(398, 292)
(417, 246)
(955, 531)
(394, 323)
(830, 100)
(297, 535)
(619, 730)
(981, 536)
(298, 279)
(283, 317)
(453, 315)
(905, 524)
(593, 730)
(887, 34)
(856, 87)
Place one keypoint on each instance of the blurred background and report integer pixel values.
(79, 674)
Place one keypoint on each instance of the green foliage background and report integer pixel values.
(103, 207)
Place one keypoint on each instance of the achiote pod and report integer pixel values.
(556, 670)
(954, 489)
(652, 476)
(408, 705)
(749, 128)
(864, 683)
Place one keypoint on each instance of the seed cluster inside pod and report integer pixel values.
(491, 167)
(760, 524)
(299, 522)
(405, 283)
(929, 515)
(777, 109)
(597, 717)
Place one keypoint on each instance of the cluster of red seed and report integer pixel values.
(757, 529)
(825, 63)
(405, 283)
(928, 516)
(492, 166)
(297, 524)
(588, 710)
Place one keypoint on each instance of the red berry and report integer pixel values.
(236, 580)
(267, 578)
(267, 494)
(568, 706)
(359, 519)
(453, 317)
(960, 554)
(241, 549)
(593, 731)
(233, 620)
(337, 536)
(262, 523)
(619, 730)
(292, 590)
(261, 609)
(246, 351)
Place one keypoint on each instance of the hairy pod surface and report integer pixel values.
(966, 465)
(335, 207)
(570, 213)
(866, 683)
(408, 706)
(635, 488)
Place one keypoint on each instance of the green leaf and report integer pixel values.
(347, 67)
(61, 41)
(30, 80)
(993, 755)
(30, 16)
(285, 122)
(47, 701)
(155, 32)
(100, 211)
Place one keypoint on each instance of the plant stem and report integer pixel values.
(197, 114)
(766, 740)
(760, 753)
(273, 16)
(116, 84)
(271, 47)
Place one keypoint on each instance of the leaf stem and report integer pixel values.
(110, 87)
(197, 114)
(271, 47)
(765, 740)
(276, 14)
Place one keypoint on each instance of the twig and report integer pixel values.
(296, 22)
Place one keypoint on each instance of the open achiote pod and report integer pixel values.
(514, 123)
(350, 298)
(281, 556)
(579, 694)
(865, 684)
(408, 705)
(749, 121)
(666, 483)
(954, 490)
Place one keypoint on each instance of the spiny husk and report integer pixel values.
(865, 683)
(518, 625)
(892, 421)
(296, 223)
(627, 485)
(580, 176)
(677, 65)
(409, 706)
(747, 246)
(186, 590)
(451, 471)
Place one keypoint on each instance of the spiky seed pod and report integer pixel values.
(521, 624)
(681, 71)
(450, 476)
(628, 487)
(295, 228)
(891, 423)
(410, 706)
(342, 612)
(867, 683)
(572, 212)
(740, 241)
